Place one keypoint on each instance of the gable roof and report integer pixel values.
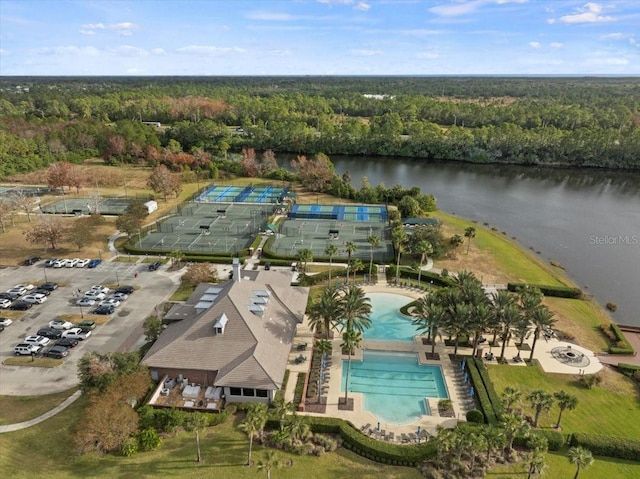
(253, 350)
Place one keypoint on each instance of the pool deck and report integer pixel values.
(458, 389)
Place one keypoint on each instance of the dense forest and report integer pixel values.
(194, 123)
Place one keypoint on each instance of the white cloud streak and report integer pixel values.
(589, 13)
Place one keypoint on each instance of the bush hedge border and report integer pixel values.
(481, 392)
(549, 290)
(622, 346)
(610, 446)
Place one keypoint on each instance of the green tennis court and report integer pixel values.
(86, 206)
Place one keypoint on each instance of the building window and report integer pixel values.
(248, 392)
(235, 391)
(262, 393)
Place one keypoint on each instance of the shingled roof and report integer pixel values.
(254, 348)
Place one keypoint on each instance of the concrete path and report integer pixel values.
(32, 422)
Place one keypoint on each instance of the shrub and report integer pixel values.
(129, 447)
(149, 440)
(612, 306)
(297, 396)
(481, 393)
(622, 346)
(555, 439)
(610, 446)
(548, 290)
(476, 416)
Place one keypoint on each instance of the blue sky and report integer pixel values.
(319, 37)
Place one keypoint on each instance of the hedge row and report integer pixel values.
(554, 438)
(311, 280)
(630, 370)
(429, 277)
(622, 346)
(491, 391)
(297, 395)
(548, 290)
(481, 393)
(610, 446)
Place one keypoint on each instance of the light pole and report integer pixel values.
(117, 279)
(81, 313)
(46, 280)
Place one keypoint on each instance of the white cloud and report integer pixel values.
(362, 6)
(129, 51)
(535, 44)
(123, 28)
(614, 36)
(463, 8)
(88, 32)
(93, 26)
(279, 53)
(67, 50)
(589, 13)
(158, 51)
(209, 50)
(429, 55)
(270, 17)
(365, 53)
(556, 45)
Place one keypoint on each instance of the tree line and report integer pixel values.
(574, 122)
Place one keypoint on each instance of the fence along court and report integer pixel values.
(243, 194)
(208, 228)
(86, 206)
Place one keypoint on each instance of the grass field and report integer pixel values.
(15, 409)
(224, 449)
(606, 409)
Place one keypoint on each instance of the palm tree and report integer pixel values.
(282, 407)
(510, 397)
(541, 318)
(305, 255)
(331, 251)
(510, 317)
(374, 242)
(298, 427)
(537, 463)
(269, 461)
(350, 247)
(351, 340)
(324, 314)
(499, 302)
(540, 401)
(458, 323)
(196, 422)
(514, 425)
(469, 233)
(423, 248)
(251, 427)
(354, 309)
(581, 457)
(493, 438)
(429, 317)
(530, 300)
(355, 266)
(399, 236)
(456, 241)
(565, 401)
(480, 321)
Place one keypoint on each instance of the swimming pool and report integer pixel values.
(394, 386)
(386, 321)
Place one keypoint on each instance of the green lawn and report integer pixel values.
(510, 257)
(602, 410)
(15, 409)
(48, 450)
(184, 291)
(558, 466)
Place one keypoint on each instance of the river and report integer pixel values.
(586, 220)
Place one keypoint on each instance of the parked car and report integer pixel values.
(57, 352)
(31, 260)
(20, 306)
(5, 303)
(95, 295)
(93, 263)
(104, 310)
(71, 262)
(119, 296)
(60, 324)
(60, 263)
(86, 302)
(5, 321)
(125, 289)
(110, 302)
(50, 333)
(26, 349)
(28, 286)
(9, 296)
(87, 325)
(155, 266)
(50, 262)
(100, 288)
(76, 333)
(67, 342)
(34, 298)
(82, 263)
(49, 286)
(41, 340)
(17, 290)
(46, 292)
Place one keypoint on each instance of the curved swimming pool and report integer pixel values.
(386, 321)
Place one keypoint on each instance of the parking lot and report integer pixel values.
(122, 330)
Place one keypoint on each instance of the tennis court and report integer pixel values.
(209, 228)
(7, 191)
(358, 213)
(243, 194)
(86, 206)
(316, 234)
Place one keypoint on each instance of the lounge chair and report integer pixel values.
(413, 437)
(365, 428)
(300, 359)
(302, 347)
(404, 437)
(383, 435)
(391, 437)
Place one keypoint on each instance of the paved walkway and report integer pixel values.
(32, 422)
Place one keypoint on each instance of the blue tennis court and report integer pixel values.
(243, 194)
(363, 213)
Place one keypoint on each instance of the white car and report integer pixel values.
(38, 340)
(60, 263)
(110, 302)
(95, 295)
(5, 321)
(100, 289)
(71, 262)
(76, 333)
(19, 290)
(28, 287)
(5, 303)
(82, 263)
(60, 324)
(34, 298)
(119, 296)
(85, 302)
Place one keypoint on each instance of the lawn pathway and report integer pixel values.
(32, 422)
